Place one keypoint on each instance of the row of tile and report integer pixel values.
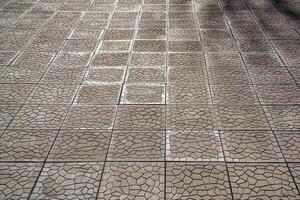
(149, 180)
(145, 93)
(152, 117)
(172, 145)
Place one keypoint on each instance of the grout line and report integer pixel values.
(166, 77)
(155, 161)
(222, 146)
(274, 135)
(117, 107)
(66, 114)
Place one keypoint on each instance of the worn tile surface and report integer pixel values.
(149, 99)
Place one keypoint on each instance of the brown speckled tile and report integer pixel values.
(252, 181)
(189, 180)
(132, 180)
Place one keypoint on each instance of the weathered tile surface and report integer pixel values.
(173, 99)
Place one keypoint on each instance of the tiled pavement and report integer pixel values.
(148, 99)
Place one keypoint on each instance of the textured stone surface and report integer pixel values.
(250, 146)
(39, 117)
(130, 180)
(174, 99)
(140, 117)
(137, 145)
(26, 145)
(17, 179)
(197, 181)
(289, 142)
(193, 146)
(267, 181)
(68, 181)
(80, 145)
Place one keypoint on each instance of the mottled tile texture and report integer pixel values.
(149, 100)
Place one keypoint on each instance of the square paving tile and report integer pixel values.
(295, 170)
(255, 46)
(197, 181)
(262, 59)
(143, 94)
(118, 34)
(39, 117)
(122, 24)
(91, 24)
(137, 146)
(286, 46)
(146, 75)
(278, 94)
(45, 45)
(7, 113)
(182, 34)
(98, 94)
(264, 75)
(105, 75)
(186, 59)
(184, 46)
(148, 59)
(283, 117)
(221, 46)
(196, 117)
(7, 57)
(26, 145)
(125, 15)
(149, 45)
(90, 117)
(23, 74)
(182, 24)
(223, 75)
(72, 59)
(241, 117)
(187, 74)
(110, 59)
(188, 93)
(151, 34)
(181, 14)
(80, 145)
(33, 59)
(291, 59)
(14, 93)
(153, 15)
(193, 146)
(70, 180)
(79, 45)
(233, 95)
(17, 179)
(289, 142)
(122, 45)
(69, 75)
(140, 117)
(130, 180)
(226, 60)
(250, 146)
(257, 181)
(52, 94)
(295, 72)
(85, 34)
